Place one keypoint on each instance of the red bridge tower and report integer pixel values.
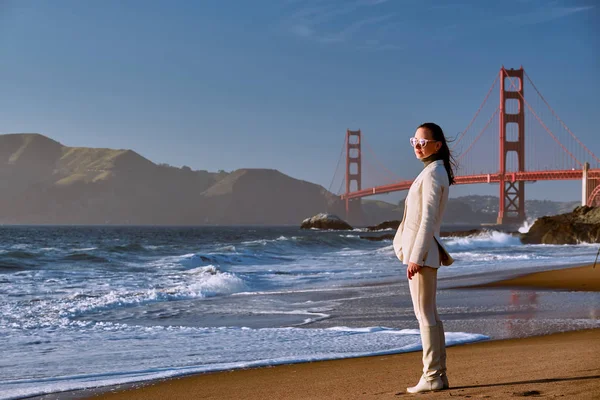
(512, 193)
(353, 173)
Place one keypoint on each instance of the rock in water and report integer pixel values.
(325, 221)
(386, 236)
(384, 225)
(474, 232)
(581, 225)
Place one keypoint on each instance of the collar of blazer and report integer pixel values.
(427, 168)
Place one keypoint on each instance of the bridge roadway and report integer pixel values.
(527, 176)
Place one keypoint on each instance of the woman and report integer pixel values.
(417, 245)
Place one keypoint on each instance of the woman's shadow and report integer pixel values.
(546, 380)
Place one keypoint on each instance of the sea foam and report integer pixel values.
(140, 353)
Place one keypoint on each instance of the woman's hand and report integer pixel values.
(412, 269)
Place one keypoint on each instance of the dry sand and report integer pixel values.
(565, 365)
(585, 278)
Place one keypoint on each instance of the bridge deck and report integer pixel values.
(527, 176)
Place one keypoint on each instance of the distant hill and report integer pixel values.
(457, 212)
(533, 208)
(265, 196)
(44, 182)
(467, 210)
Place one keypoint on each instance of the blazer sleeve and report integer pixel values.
(397, 242)
(431, 195)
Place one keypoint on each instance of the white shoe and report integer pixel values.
(427, 386)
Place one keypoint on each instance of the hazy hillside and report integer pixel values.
(265, 196)
(44, 182)
(376, 211)
(533, 208)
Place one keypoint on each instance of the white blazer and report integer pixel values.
(417, 239)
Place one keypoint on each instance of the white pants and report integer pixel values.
(423, 286)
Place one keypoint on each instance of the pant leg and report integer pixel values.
(423, 287)
(442, 335)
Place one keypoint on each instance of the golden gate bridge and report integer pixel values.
(515, 141)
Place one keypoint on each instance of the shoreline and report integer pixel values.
(584, 275)
(568, 368)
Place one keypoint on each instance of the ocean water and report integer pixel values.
(87, 306)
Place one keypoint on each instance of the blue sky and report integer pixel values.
(275, 84)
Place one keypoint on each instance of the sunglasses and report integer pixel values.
(420, 142)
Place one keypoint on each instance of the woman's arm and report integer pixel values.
(432, 190)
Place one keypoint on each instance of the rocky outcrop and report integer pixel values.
(379, 238)
(473, 232)
(581, 225)
(325, 221)
(384, 225)
(470, 232)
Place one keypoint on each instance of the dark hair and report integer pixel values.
(444, 153)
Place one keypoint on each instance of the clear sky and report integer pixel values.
(223, 84)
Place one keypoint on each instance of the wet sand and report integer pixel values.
(557, 365)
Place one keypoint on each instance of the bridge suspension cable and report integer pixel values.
(561, 121)
(545, 127)
(337, 168)
(479, 135)
(476, 114)
(341, 185)
(393, 176)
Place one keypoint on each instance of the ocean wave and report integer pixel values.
(503, 256)
(226, 249)
(374, 230)
(263, 242)
(332, 240)
(21, 246)
(291, 244)
(486, 239)
(526, 226)
(83, 249)
(49, 249)
(198, 283)
(353, 252)
(11, 266)
(19, 254)
(388, 250)
(203, 282)
(218, 349)
(224, 259)
(85, 257)
(17, 260)
(127, 248)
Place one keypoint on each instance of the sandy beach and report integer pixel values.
(556, 365)
(585, 278)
